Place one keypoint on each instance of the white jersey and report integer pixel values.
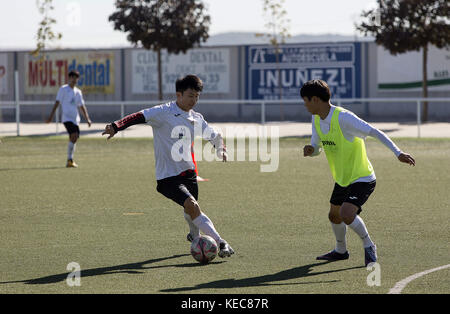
(70, 99)
(352, 126)
(173, 134)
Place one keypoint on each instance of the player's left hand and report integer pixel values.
(407, 158)
(224, 154)
(224, 157)
(89, 122)
(109, 130)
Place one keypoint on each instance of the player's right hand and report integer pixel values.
(407, 159)
(308, 150)
(109, 130)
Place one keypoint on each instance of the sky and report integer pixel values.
(84, 23)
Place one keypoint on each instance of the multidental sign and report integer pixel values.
(45, 76)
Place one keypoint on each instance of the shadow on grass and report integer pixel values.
(42, 168)
(265, 280)
(133, 268)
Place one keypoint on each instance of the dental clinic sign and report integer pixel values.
(339, 64)
(212, 65)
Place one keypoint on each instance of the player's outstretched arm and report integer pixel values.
(406, 158)
(215, 137)
(122, 124)
(383, 138)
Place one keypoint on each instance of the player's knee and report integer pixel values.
(334, 218)
(334, 215)
(192, 208)
(348, 219)
(74, 137)
(348, 213)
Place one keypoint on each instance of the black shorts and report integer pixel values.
(71, 127)
(356, 193)
(180, 187)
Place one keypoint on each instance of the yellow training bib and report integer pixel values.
(348, 160)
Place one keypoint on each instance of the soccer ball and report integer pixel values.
(204, 249)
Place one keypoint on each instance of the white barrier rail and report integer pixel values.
(339, 101)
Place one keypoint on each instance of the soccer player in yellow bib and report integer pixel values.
(340, 133)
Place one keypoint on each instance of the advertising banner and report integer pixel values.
(403, 72)
(96, 68)
(212, 65)
(271, 75)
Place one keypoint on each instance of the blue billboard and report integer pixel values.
(271, 75)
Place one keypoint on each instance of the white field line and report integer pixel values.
(399, 286)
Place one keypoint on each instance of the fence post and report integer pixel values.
(263, 112)
(419, 118)
(16, 89)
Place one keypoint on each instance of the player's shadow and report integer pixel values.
(132, 268)
(42, 168)
(266, 280)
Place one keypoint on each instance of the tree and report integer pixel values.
(45, 34)
(278, 26)
(175, 25)
(409, 25)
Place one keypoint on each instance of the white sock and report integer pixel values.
(207, 227)
(360, 228)
(340, 231)
(70, 150)
(193, 229)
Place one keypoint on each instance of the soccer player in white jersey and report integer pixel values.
(340, 133)
(174, 124)
(71, 99)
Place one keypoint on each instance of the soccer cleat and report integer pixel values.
(370, 254)
(225, 250)
(71, 164)
(334, 256)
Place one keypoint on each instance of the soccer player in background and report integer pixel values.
(341, 134)
(71, 99)
(173, 123)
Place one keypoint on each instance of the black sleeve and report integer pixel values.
(132, 119)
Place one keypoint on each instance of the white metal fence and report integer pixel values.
(263, 103)
(17, 103)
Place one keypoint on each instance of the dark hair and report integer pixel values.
(189, 81)
(318, 88)
(74, 73)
